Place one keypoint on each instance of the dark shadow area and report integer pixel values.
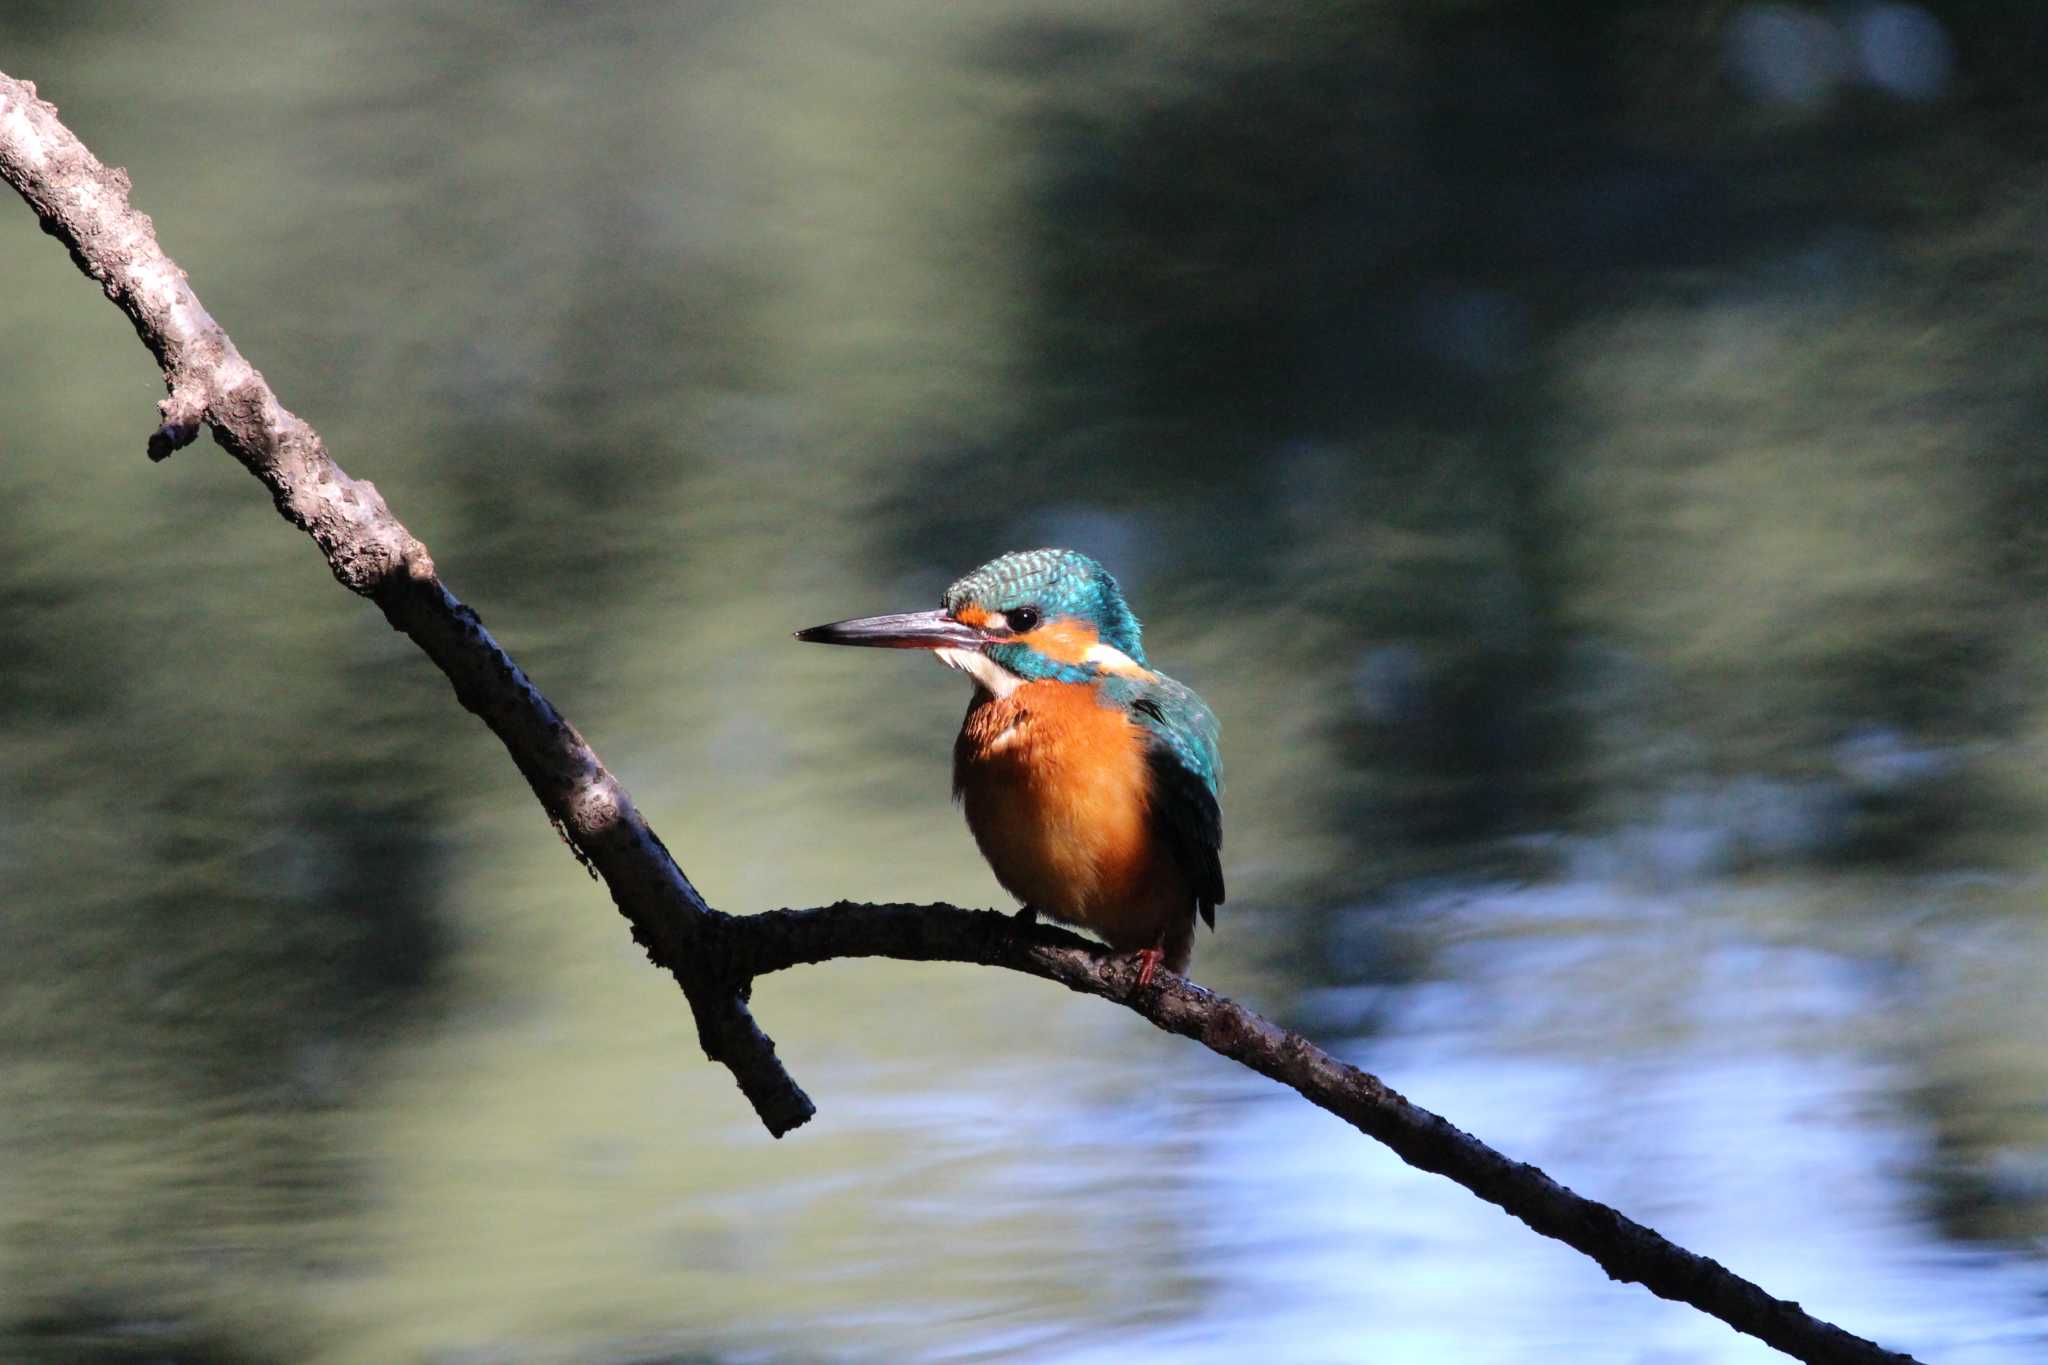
(89, 1333)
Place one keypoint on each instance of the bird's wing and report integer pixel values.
(1181, 749)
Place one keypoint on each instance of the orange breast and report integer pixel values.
(1056, 791)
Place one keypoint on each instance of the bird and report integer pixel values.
(1089, 779)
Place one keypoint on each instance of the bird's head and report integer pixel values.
(1023, 617)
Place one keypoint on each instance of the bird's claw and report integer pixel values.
(1148, 963)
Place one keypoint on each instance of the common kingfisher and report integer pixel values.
(1088, 779)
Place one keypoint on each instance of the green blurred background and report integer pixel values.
(1588, 454)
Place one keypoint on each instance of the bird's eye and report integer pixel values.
(1022, 619)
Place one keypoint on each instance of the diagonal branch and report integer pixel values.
(85, 205)
(713, 956)
(1625, 1249)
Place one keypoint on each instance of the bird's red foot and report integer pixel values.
(1148, 963)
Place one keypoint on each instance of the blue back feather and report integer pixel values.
(1177, 719)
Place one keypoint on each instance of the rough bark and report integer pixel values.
(85, 205)
(713, 956)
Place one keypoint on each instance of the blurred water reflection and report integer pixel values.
(1589, 471)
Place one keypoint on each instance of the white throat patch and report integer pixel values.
(989, 675)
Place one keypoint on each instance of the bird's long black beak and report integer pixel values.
(906, 630)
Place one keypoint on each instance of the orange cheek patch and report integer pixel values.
(972, 614)
(1067, 642)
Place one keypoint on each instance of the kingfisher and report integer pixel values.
(1088, 778)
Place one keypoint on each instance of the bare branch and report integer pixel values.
(1625, 1249)
(713, 956)
(85, 205)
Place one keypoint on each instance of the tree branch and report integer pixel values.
(85, 205)
(1625, 1249)
(713, 956)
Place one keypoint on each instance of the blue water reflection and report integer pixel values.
(1747, 1105)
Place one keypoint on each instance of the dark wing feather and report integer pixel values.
(1184, 810)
